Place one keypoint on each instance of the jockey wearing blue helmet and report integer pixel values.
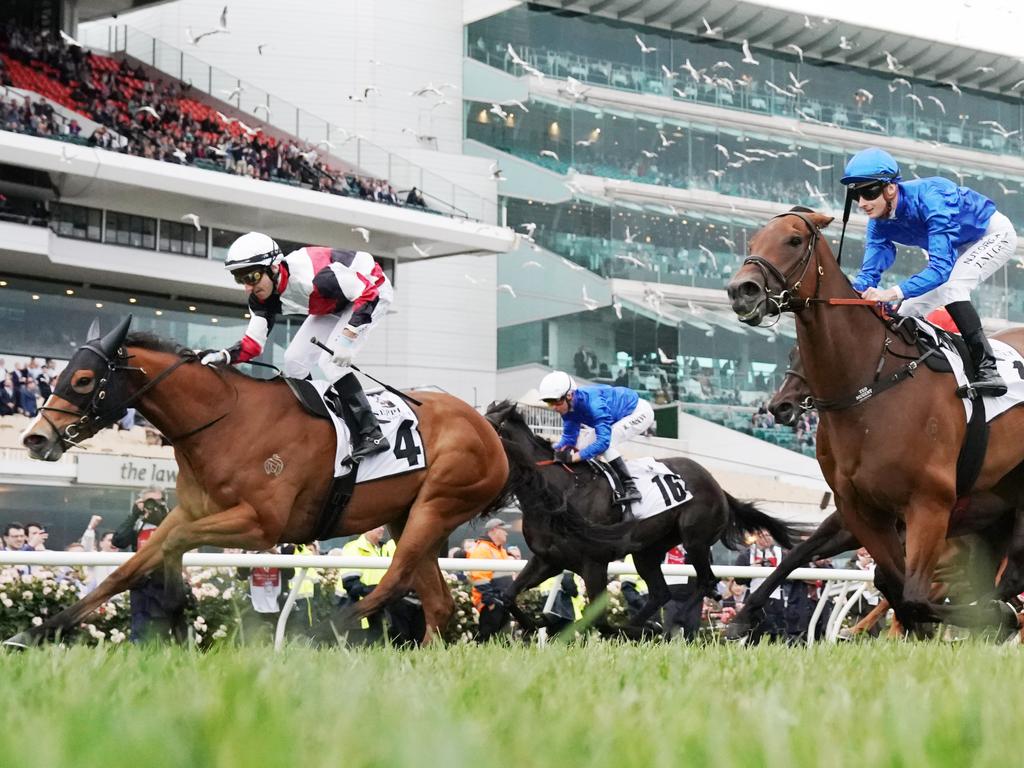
(965, 237)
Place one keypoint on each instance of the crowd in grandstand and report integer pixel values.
(25, 385)
(142, 115)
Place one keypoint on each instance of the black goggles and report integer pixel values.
(250, 277)
(869, 192)
(553, 400)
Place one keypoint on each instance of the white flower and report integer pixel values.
(36, 621)
(228, 593)
(8, 603)
(199, 639)
(26, 595)
(117, 636)
(220, 633)
(47, 590)
(199, 623)
(26, 578)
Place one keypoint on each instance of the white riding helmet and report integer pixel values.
(252, 250)
(556, 385)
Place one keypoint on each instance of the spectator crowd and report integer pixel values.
(142, 115)
(25, 385)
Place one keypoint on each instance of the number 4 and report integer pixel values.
(405, 444)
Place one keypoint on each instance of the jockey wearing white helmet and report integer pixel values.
(614, 413)
(343, 294)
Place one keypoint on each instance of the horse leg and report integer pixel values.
(595, 579)
(926, 536)
(648, 565)
(884, 545)
(139, 565)
(830, 538)
(436, 597)
(536, 571)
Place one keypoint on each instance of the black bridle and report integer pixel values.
(108, 403)
(787, 299)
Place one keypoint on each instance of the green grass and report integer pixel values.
(599, 704)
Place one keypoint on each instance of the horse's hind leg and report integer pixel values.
(926, 535)
(438, 605)
(536, 571)
(648, 565)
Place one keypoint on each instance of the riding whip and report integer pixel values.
(846, 218)
(408, 398)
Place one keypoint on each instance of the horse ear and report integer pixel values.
(820, 219)
(94, 330)
(113, 340)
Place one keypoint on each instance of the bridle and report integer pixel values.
(807, 404)
(788, 298)
(108, 405)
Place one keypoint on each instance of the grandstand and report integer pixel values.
(131, 155)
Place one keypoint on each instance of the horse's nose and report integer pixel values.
(784, 413)
(35, 443)
(745, 290)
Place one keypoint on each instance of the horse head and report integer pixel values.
(89, 394)
(510, 424)
(794, 396)
(785, 266)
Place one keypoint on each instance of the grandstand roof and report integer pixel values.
(775, 28)
(88, 10)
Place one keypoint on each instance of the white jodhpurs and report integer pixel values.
(976, 262)
(637, 423)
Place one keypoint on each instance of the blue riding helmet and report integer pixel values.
(868, 165)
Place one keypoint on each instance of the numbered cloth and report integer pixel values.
(661, 489)
(400, 426)
(1008, 362)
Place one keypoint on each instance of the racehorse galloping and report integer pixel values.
(893, 454)
(711, 515)
(255, 469)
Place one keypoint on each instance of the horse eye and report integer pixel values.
(795, 241)
(83, 384)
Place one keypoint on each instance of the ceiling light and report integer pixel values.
(214, 320)
(191, 307)
(159, 312)
(3, 283)
(99, 305)
(35, 297)
(132, 300)
(69, 292)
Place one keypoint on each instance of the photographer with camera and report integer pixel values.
(149, 617)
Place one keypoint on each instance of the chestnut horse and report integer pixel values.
(255, 469)
(893, 454)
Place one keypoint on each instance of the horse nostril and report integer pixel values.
(33, 442)
(783, 414)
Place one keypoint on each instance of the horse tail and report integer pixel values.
(549, 509)
(746, 518)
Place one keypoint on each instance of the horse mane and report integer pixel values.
(154, 343)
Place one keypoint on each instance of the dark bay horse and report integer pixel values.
(893, 455)
(255, 469)
(711, 515)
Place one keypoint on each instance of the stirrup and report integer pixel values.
(983, 388)
(628, 495)
(370, 447)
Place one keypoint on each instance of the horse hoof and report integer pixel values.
(21, 642)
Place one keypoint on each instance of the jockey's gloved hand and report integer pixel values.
(216, 357)
(343, 351)
(563, 455)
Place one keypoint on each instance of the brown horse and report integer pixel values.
(894, 453)
(255, 469)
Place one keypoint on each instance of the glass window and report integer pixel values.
(176, 237)
(76, 221)
(126, 229)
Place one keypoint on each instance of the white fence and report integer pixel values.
(844, 585)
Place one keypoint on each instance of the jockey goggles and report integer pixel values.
(552, 401)
(249, 276)
(869, 191)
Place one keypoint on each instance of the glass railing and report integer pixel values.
(353, 150)
(652, 150)
(906, 120)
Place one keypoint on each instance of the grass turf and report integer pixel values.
(597, 704)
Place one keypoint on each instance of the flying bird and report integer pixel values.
(1017, 85)
(798, 85)
(194, 39)
(694, 72)
(617, 305)
(585, 142)
(798, 49)
(148, 110)
(589, 303)
(648, 154)
(193, 219)
(870, 122)
(865, 93)
(573, 265)
(721, 65)
(899, 81)
(223, 23)
(984, 70)
(631, 260)
(265, 109)
(549, 153)
(747, 58)
(629, 236)
(472, 279)
(363, 232)
(421, 252)
(668, 72)
(723, 150)
(497, 110)
(260, 47)
(643, 47)
(69, 40)
(812, 166)
(708, 29)
(532, 264)
(1006, 190)
(514, 102)
(530, 228)
(916, 99)
(955, 88)
(891, 62)
(234, 92)
(845, 44)
(508, 289)
(665, 141)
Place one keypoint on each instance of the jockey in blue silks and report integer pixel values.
(965, 237)
(614, 413)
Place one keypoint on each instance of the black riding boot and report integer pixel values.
(367, 439)
(630, 492)
(987, 380)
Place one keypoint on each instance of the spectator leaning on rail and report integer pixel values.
(966, 238)
(615, 414)
(343, 294)
(488, 589)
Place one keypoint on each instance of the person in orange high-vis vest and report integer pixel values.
(488, 589)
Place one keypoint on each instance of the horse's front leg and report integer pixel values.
(927, 522)
(534, 573)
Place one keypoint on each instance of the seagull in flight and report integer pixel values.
(916, 99)
(589, 303)
(549, 153)
(747, 58)
(939, 103)
(148, 110)
(723, 150)
(694, 72)
(897, 81)
(497, 110)
(421, 252)
(629, 236)
(1007, 190)
(891, 62)
(865, 93)
(193, 219)
(508, 289)
(234, 92)
(648, 154)
(798, 49)
(812, 166)
(264, 107)
(69, 40)
(845, 44)
(644, 48)
(363, 232)
(665, 142)
(194, 39)
(956, 89)
(710, 31)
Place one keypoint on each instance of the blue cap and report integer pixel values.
(872, 164)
